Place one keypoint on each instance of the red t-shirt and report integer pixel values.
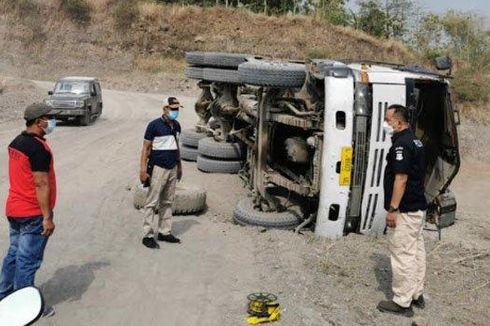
(28, 153)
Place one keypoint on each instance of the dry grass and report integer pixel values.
(154, 63)
(475, 112)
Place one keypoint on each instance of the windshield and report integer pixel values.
(74, 87)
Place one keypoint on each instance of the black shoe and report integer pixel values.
(168, 238)
(393, 308)
(151, 243)
(419, 303)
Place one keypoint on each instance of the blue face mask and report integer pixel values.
(51, 125)
(172, 115)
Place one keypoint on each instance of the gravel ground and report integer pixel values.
(15, 95)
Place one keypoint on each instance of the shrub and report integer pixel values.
(471, 86)
(125, 13)
(77, 10)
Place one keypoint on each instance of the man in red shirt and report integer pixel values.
(31, 200)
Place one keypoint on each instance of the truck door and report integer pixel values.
(373, 214)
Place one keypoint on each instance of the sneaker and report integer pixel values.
(168, 238)
(393, 308)
(48, 312)
(419, 303)
(150, 243)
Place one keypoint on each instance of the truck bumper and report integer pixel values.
(66, 113)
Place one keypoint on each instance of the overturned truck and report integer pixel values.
(311, 137)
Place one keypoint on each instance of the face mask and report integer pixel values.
(51, 125)
(387, 128)
(172, 115)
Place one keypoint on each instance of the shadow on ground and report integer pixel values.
(70, 283)
(382, 270)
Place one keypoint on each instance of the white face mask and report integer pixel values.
(387, 128)
(51, 125)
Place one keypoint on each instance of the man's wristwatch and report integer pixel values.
(393, 209)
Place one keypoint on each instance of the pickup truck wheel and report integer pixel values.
(272, 73)
(188, 199)
(246, 214)
(221, 59)
(211, 165)
(188, 153)
(221, 75)
(195, 58)
(84, 120)
(190, 137)
(221, 150)
(194, 73)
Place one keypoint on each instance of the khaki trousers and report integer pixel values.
(408, 257)
(160, 198)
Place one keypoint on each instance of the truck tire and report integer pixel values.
(221, 150)
(221, 75)
(272, 73)
(188, 199)
(194, 73)
(246, 214)
(211, 165)
(190, 137)
(222, 59)
(188, 153)
(195, 58)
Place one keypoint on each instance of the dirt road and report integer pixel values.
(96, 272)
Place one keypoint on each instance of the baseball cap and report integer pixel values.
(174, 103)
(36, 110)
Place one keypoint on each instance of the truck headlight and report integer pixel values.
(79, 103)
(49, 102)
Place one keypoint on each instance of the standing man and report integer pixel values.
(160, 168)
(406, 205)
(31, 200)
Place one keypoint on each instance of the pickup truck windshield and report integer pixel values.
(75, 87)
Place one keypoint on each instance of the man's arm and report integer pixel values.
(399, 187)
(145, 154)
(41, 181)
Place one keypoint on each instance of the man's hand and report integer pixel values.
(391, 220)
(48, 226)
(144, 176)
(179, 171)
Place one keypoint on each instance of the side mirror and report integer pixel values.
(22, 307)
(50, 92)
(443, 63)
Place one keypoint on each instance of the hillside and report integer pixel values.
(136, 46)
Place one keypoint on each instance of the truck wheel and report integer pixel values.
(221, 75)
(195, 58)
(188, 199)
(272, 73)
(84, 120)
(246, 214)
(194, 73)
(210, 165)
(221, 150)
(188, 153)
(222, 59)
(190, 137)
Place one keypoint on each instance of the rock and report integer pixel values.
(199, 39)
(419, 321)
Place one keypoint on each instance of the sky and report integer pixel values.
(480, 7)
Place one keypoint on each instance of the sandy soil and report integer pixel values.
(96, 272)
